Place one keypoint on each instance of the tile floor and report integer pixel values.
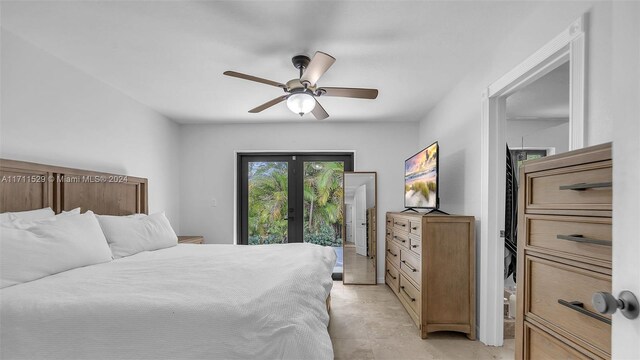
(357, 268)
(368, 322)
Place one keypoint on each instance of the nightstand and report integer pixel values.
(190, 239)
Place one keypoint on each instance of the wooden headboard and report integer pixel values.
(30, 186)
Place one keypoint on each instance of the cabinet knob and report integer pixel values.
(606, 303)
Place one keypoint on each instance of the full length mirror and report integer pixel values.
(360, 232)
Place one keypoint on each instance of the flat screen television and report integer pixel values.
(421, 179)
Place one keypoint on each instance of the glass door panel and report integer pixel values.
(268, 202)
(322, 205)
(292, 198)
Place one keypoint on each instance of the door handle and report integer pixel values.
(606, 303)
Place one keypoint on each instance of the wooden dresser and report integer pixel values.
(564, 255)
(430, 266)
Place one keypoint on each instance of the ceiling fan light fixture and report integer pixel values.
(301, 103)
(301, 92)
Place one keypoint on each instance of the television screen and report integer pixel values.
(421, 179)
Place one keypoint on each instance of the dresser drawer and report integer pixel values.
(415, 244)
(584, 187)
(410, 265)
(388, 233)
(548, 283)
(570, 235)
(415, 226)
(401, 237)
(541, 345)
(410, 294)
(393, 253)
(401, 224)
(392, 277)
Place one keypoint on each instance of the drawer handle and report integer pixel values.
(579, 307)
(409, 266)
(582, 239)
(585, 186)
(414, 246)
(397, 238)
(406, 293)
(389, 251)
(389, 272)
(414, 228)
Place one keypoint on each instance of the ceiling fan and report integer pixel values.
(302, 93)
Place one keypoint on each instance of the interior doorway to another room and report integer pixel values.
(537, 125)
(567, 49)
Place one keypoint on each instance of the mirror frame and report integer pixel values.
(344, 226)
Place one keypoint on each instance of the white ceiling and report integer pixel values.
(170, 55)
(545, 98)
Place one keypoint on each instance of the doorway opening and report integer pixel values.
(537, 125)
(292, 198)
(567, 47)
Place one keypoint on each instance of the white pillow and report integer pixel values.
(27, 215)
(33, 215)
(71, 212)
(31, 251)
(128, 235)
(5, 217)
(25, 224)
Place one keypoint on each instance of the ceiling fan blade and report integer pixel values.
(320, 63)
(319, 112)
(253, 78)
(350, 92)
(268, 104)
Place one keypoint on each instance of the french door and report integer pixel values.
(289, 198)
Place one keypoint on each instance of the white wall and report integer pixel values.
(54, 114)
(539, 133)
(208, 162)
(455, 121)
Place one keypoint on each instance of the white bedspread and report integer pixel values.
(185, 302)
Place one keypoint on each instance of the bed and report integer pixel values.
(183, 302)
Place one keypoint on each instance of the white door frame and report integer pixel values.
(567, 46)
